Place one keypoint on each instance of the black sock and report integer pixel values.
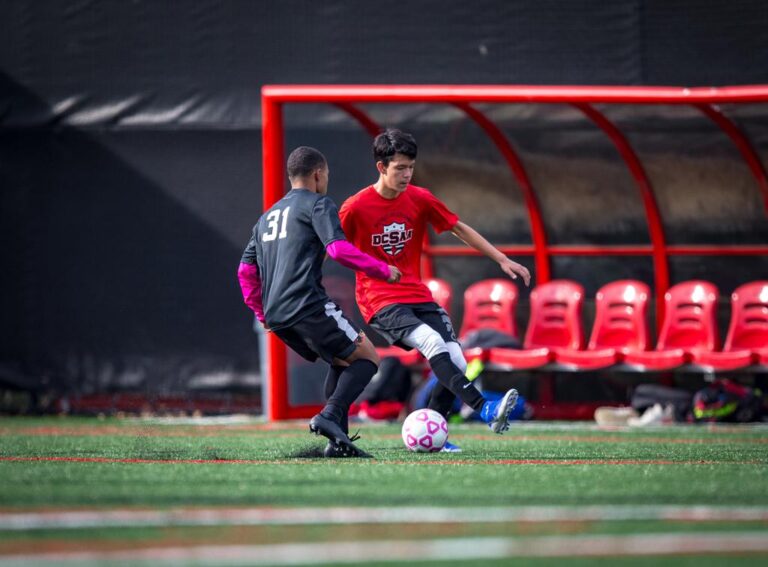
(449, 375)
(331, 381)
(441, 400)
(352, 381)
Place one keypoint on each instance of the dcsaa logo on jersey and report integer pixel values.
(393, 239)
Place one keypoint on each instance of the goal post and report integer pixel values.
(704, 99)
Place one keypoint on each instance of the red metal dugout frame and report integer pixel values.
(705, 99)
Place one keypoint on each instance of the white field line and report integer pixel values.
(266, 516)
(413, 551)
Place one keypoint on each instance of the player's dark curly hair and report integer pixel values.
(303, 161)
(392, 142)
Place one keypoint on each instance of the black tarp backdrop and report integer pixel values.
(130, 156)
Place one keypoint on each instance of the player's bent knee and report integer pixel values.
(365, 350)
(373, 357)
(427, 341)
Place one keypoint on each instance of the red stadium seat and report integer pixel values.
(747, 339)
(689, 326)
(490, 304)
(620, 326)
(554, 323)
(442, 293)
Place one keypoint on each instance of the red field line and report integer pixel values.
(151, 431)
(275, 430)
(425, 462)
(573, 462)
(614, 439)
(599, 439)
(145, 461)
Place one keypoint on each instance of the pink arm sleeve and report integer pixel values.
(346, 254)
(250, 285)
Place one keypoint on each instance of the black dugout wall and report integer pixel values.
(130, 154)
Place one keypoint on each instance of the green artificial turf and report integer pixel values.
(130, 463)
(683, 465)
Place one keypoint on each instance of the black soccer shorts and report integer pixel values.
(395, 322)
(327, 334)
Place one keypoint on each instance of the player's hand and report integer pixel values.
(394, 274)
(513, 269)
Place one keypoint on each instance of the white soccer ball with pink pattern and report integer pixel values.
(425, 431)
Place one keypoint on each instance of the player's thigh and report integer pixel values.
(438, 320)
(296, 341)
(436, 317)
(395, 323)
(330, 334)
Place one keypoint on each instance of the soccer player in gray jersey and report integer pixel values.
(280, 277)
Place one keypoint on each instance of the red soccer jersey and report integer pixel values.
(393, 230)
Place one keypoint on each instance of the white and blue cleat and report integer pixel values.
(450, 448)
(496, 413)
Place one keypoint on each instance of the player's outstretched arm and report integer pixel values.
(348, 255)
(477, 241)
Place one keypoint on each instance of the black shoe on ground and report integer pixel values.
(344, 447)
(334, 450)
(338, 451)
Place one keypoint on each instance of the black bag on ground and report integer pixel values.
(725, 400)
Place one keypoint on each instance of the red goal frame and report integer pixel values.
(705, 99)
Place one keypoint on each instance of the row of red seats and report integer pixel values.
(620, 335)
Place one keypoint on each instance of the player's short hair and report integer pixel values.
(392, 142)
(303, 161)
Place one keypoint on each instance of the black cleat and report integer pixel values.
(335, 450)
(344, 447)
(320, 425)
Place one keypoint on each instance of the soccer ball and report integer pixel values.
(425, 431)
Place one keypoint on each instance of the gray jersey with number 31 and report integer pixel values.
(288, 244)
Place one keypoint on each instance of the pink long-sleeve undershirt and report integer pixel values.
(342, 251)
(348, 255)
(250, 285)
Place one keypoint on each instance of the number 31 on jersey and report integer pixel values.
(272, 220)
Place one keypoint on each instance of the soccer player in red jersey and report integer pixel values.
(387, 220)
